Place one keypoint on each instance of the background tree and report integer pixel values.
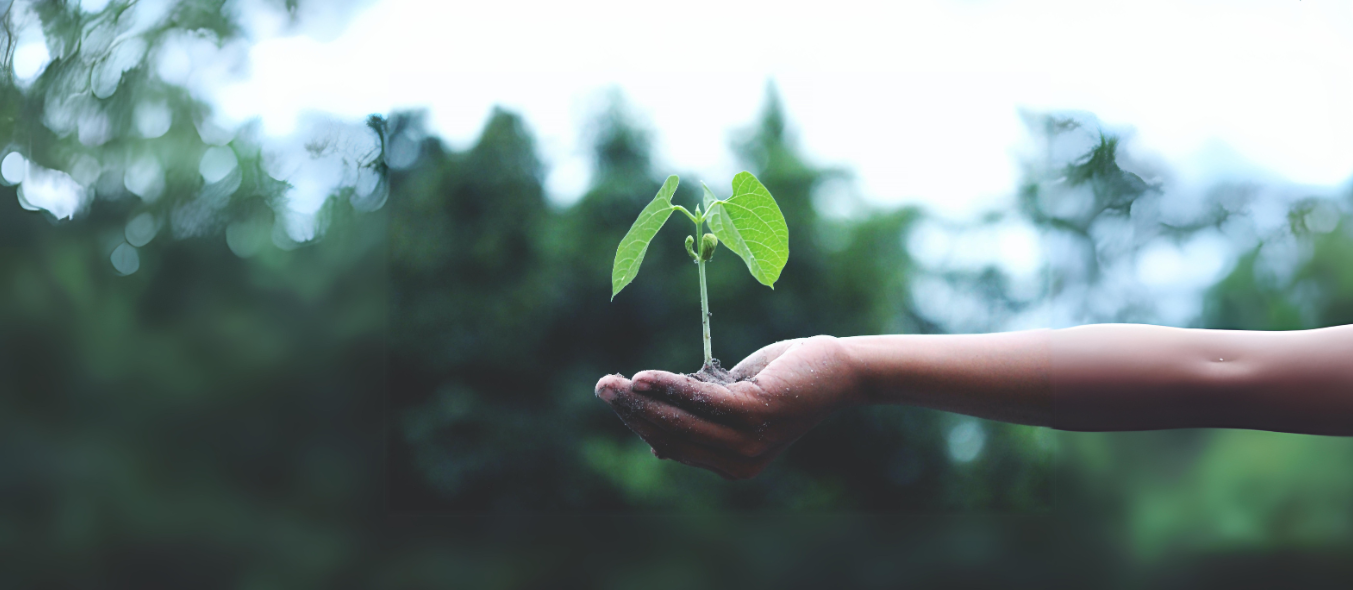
(264, 404)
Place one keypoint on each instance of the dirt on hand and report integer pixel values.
(713, 372)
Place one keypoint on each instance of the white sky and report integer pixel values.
(920, 99)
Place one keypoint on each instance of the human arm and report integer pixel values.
(1108, 377)
(1098, 377)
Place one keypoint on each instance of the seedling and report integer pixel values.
(749, 223)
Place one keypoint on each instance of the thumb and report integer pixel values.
(757, 361)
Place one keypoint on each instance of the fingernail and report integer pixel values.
(606, 394)
(642, 385)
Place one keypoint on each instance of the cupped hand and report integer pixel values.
(736, 429)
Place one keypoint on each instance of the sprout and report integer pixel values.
(749, 223)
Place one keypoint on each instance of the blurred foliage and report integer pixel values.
(252, 406)
(1203, 490)
(501, 323)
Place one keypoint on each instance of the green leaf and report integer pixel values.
(709, 197)
(752, 226)
(634, 245)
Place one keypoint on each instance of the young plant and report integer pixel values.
(749, 223)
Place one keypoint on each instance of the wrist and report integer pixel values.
(863, 386)
(1004, 375)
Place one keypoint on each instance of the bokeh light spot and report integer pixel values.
(125, 259)
(52, 190)
(107, 73)
(30, 59)
(13, 168)
(153, 119)
(145, 178)
(141, 229)
(966, 441)
(247, 238)
(217, 162)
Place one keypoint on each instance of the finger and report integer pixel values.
(610, 385)
(707, 400)
(758, 360)
(683, 424)
(665, 446)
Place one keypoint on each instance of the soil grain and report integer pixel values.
(713, 372)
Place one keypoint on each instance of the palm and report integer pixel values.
(736, 428)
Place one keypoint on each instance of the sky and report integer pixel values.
(921, 100)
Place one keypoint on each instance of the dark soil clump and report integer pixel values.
(713, 372)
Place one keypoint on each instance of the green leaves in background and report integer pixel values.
(634, 245)
(751, 225)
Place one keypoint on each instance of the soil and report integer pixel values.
(713, 372)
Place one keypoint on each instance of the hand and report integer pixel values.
(736, 429)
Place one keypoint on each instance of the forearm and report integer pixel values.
(1004, 376)
(1121, 377)
(1138, 377)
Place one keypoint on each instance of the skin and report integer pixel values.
(1108, 377)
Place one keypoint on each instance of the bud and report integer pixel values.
(707, 246)
(690, 242)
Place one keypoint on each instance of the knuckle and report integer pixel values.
(644, 381)
(825, 342)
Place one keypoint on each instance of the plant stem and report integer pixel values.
(704, 313)
(704, 292)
